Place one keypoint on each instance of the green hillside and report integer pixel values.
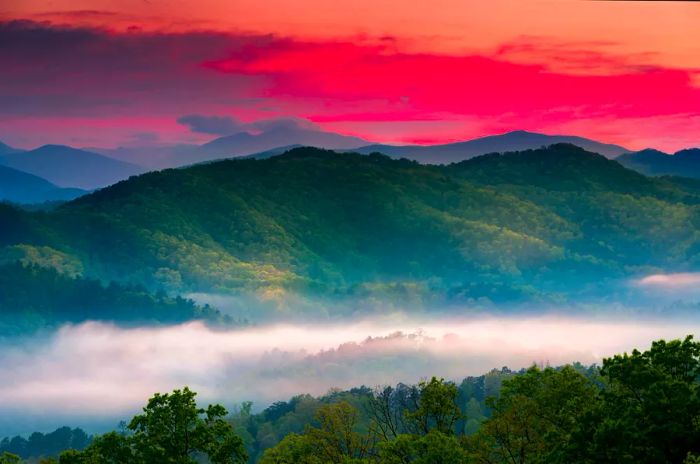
(37, 298)
(537, 225)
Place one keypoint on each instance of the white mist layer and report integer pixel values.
(98, 370)
(678, 281)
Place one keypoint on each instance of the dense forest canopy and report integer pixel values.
(556, 224)
(42, 298)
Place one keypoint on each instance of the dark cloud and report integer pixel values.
(226, 125)
(267, 125)
(55, 69)
(145, 137)
(215, 125)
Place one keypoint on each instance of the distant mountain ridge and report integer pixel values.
(6, 149)
(510, 141)
(21, 187)
(70, 167)
(277, 140)
(685, 163)
(233, 146)
(245, 143)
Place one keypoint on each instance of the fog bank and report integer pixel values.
(99, 373)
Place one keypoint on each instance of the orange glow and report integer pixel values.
(665, 33)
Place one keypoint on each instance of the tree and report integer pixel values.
(437, 407)
(535, 416)
(171, 430)
(9, 458)
(388, 408)
(433, 448)
(650, 411)
(335, 440)
(110, 448)
(337, 437)
(293, 449)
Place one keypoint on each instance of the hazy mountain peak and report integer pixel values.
(21, 187)
(689, 152)
(650, 151)
(246, 143)
(517, 140)
(5, 149)
(653, 162)
(66, 166)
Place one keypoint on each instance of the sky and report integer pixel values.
(106, 73)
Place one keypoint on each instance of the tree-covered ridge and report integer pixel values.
(641, 407)
(35, 297)
(41, 445)
(542, 224)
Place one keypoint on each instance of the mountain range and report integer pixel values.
(510, 141)
(684, 163)
(277, 140)
(88, 169)
(21, 187)
(70, 167)
(234, 145)
(539, 225)
(6, 149)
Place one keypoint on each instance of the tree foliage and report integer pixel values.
(34, 297)
(641, 407)
(171, 430)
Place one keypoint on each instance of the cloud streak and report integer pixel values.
(226, 125)
(678, 281)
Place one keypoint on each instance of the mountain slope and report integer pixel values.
(654, 163)
(70, 167)
(245, 143)
(6, 149)
(34, 298)
(520, 226)
(271, 142)
(511, 141)
(21, 187)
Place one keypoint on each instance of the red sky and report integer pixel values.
(108, 72)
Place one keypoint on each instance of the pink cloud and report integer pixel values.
(372, 88)
(672, 281)
(423, 84)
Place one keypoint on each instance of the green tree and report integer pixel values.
(535, 416)
(433, 448)
(9, 458)
(110, 448)
(335, 440)
(293, 449)
(651, 407)
(171, 430)
(437, 407)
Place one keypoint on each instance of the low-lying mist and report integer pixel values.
(95, 374)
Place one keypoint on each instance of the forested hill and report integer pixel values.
(534, 225)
